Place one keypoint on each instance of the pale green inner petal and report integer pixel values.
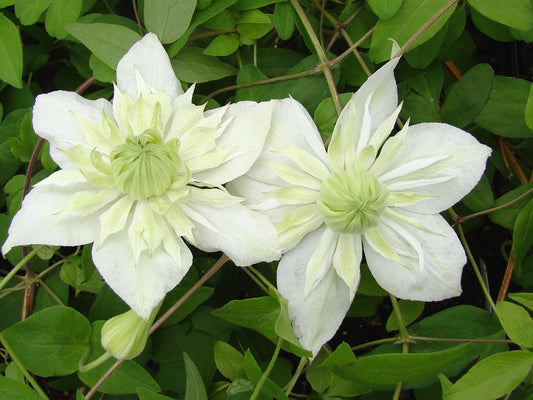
(115, 218)
(307, 162)
(375, 239)
(406, 169)
(297, 223)
(384, 130)
(410, 184)
(389, 150)
(295, 177)
(320, 260)
(88, 202)
(347, 259)
(404, 199)
(295, 195)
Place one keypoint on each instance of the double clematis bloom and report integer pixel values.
(143, 173)
(368, 193)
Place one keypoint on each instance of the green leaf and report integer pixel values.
(253, 25)
(147, 394)
(60, 14)
(516, 14)
(284, 20)
(223, 45)
(410, 311)
(529, 109)
(13, 390)
(491, 28)
(242, 5)
(229, 360)
(506, 217)
(526, 299)
(504, 113)
(29, 11)
(50, 342)
(101, 71)
(492, 377)
(411, 16)
(523, 235)
(516, 322)
(385, 9)
(10, 53)
(199, 18)
(195, 388)
(169, 19)
(468, 96)
(107, 41)
(481, 197)
(191, 65)
(389, 369)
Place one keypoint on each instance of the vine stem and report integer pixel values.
(425, 27)
(460, 219)
(17, 267)
(297, 373)
(220, 262)
(473, 261)
(404, 338)
(25, 372)
(268, 369)
(320, 53)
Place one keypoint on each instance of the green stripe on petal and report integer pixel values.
(403, 199)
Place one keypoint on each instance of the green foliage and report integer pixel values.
(10, 53)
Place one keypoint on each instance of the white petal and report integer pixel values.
(369, 107)
(142, 282)
(437, 160)
(56, 118)
(247, 237)
(292, 128)
(243, 139)
(147, 64)
(42, 219)
(439, 275)
(317, 316)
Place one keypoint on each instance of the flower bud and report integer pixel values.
(125, 335)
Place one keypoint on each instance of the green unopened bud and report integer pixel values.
(144, 166)
(352, 201)
(124, 336)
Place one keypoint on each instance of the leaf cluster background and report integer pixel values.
(466, 63)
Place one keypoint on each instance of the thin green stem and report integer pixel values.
(404, 336)
(17, 267)
(267, 372)
(256, 280)
(456, 340)
(375, 343)
(295, 376)
(424, 28)
(25, 372)
(265, 281)
(473, 261)
(102, 379)
(320, 53)
(461, 219)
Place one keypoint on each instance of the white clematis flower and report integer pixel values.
(139, 175)
(368, 193)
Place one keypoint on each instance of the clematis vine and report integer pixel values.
(141, 174)
(368, 193)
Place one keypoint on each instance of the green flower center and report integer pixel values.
(144, 166)
(352, 201)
